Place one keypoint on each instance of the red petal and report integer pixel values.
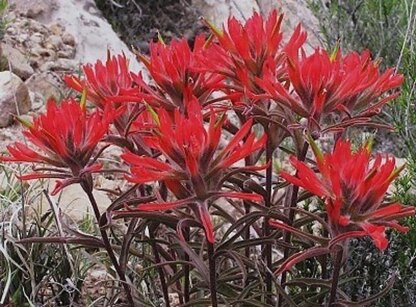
(206, 222)
(163, 206)
(241, 195)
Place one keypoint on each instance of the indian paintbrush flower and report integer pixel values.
(324, 83)
(248, 51)
(191, 163)
(353, 188)
(107, 82)
(65, 137)
(173, 68)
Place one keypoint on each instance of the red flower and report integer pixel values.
(353, 190)
(247, 51)
(192, 165)
(173, 68)
(111, 81)
(112, 84)
(324, 83)
(66, 136)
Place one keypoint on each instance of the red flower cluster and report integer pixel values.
(249, 51)
(194, 164)
(325, 83)
(107, 83)
(66, 136)
(353, 190)
(173, 68)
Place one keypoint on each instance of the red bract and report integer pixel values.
(107, 82)
(247, 51)
(66, 136)
(173, 68)
(353, 190)
(192, 165)
(351, 85)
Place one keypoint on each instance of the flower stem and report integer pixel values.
(186, 271)
(107, 245)
(335, 277)
(293, 201)
(266, 228)
(160, 270)
(212, 275)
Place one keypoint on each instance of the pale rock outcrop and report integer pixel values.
(14, 98)
(91, 33)
(39, 45)
(17, 61)
(217, 11)
(74, 202)
(36, 9)
(43, 86)
(57, 31)
(295, 11)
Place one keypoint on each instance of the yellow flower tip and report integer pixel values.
(141, 57)
(208, 41)
(397, 171)
(335, 51)
(160, 38)
(153, 114)
(369, 144)
(377, 62)
(217, 31)
(83, 101)
(220, 120)
(24, 122)
(316, 150)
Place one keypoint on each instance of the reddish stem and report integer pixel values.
(293, 201)
(212, 275)
(335, 277)
(107, 244)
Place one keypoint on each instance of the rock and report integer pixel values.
(94, 35)
(68, 39)
(37, 38)
(22, 38)
(11, 30)
(66, 54)
(57, 28)
(46, 85)
(41, 46)
(40, 52)
(54, 41)
(36, 26)
(38, 101)
(218, 11)
(18, 62)
(61, 31)
(14, 97)
(34, 8)
(295, 12)
(59, 65)
(74, 202)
